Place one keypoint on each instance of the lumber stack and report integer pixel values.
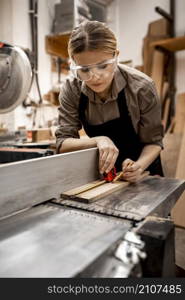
(158, 65)
(173, 156)
(157, 30)
(178, 212)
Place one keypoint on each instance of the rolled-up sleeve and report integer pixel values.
(68, 118)
(150, 126)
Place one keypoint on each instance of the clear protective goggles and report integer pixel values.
(87, 72)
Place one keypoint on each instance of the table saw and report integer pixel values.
(43, 234)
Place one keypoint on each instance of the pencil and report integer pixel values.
(121, 173)
(118, 177)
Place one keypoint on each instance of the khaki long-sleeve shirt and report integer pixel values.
(141, 98)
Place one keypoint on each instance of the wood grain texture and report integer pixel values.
(157, 30)
(85, 187)
(137, 200)
(166, 113)
(178, 212)
(93, 191)
(158, 70)
(96, 190)
(180, 114)
(170, 153)
(27, 183)
(102, 191)
(172, 44)
(165, 90)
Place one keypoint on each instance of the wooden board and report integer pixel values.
(166, 113)
(158, 70)
(173, 44)
(165, 90)
(178, 212)
(170, 153)
(84, 187)
(152, 196)
(180, 114)
(94, 193)
(98, 189)
(157, 30)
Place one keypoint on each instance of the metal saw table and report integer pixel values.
(43, 235)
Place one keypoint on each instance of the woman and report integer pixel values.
(117, 106)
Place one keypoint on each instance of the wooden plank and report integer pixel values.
(178, 212)
(84, 188)
(179, 247)
(180, 173)
(101, 191)
(148, 54)
(166, 113)
(157, 30)
(152, 196)
(158, 70)
(27, 183)
(180, 114)
(165, 90)
(172, 44)
(96, 190)
(170, 153)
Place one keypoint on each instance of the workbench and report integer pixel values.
(44, 235)
(12, 154)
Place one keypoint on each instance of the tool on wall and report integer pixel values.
(33, 56)
(33, 11)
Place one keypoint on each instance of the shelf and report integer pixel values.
(57, 45)
(172, 44)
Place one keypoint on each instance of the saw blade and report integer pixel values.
(15, 77)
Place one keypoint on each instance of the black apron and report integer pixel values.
(121, 132)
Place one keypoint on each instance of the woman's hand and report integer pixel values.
(132, 170)
(108, 153)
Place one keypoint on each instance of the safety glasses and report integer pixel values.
(86, 72)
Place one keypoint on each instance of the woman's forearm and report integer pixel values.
(72, 144)
(148, 155)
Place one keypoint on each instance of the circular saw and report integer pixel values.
(15, 77)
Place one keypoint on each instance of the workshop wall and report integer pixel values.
(180, 56)
(15, 29)
(6, 35)
(128, 19)
(134, 17)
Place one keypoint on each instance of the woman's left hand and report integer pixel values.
(132, 170)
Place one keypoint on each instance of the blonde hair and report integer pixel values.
(91, 35)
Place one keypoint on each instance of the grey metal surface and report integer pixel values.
(24, 184)
(152, 196)
(15, 77)
(50, 241)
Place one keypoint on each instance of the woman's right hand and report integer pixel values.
(108, 153)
